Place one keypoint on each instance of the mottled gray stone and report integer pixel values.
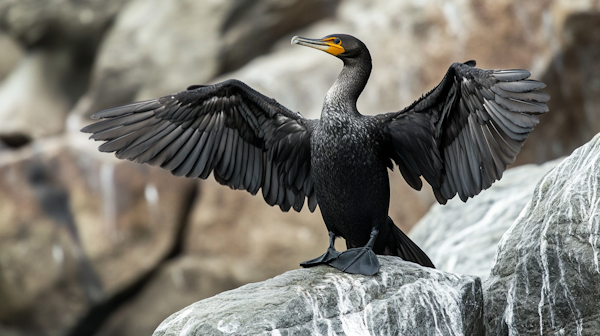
(545, 276)
(403, 298)
(462, 237)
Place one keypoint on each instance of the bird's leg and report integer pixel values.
(360, 260)
(329, 255)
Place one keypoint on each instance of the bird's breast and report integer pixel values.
(347, 157)
(350, 175)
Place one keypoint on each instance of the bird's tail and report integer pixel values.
(400, 245)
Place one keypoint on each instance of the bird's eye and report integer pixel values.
(337, 41)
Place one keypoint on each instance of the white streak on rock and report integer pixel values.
(107, 186)
(547, 263)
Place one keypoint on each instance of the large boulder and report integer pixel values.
(402, 299)
(77, 227)
(462, 237)
(545, 275)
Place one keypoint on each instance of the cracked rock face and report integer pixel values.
(403, 298)
(546, 272)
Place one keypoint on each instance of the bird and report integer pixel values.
(459, 137)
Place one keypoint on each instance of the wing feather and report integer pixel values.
(470, 127)
(247, 140)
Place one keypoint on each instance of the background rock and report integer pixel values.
(462, 237)
(56, 22)
(545, 274)
(178, 284)
(157, 47)
(77, 227)
(61, 39)
(403, 298)
(573, 79)
(11, 53)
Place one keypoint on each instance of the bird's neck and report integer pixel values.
(342, 96)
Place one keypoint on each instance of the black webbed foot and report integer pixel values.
(361, 260)
(328, 256)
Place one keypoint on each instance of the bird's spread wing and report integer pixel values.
(248, 140)
(462, 134)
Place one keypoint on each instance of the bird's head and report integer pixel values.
(340, 45)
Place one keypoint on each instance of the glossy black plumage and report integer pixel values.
(459, 137)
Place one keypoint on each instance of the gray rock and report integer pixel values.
(11, 54)
(60, 38)
(66, 22)
(403, 298)
(545, 276)
(32, 103)
(462, 237)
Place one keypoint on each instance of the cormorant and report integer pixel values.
(459, 137)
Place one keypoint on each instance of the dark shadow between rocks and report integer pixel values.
(100, 313)
(14, 141)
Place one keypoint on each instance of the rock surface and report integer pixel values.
(178, 284)
(77, 227)
(36, 85)
(60, 38)
(403, 298)
(51, 22)
(462, 237)
(11, 53)
(545, 276)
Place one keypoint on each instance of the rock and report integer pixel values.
(573, 78)
(77, 227)
(177, 284)
(462, 237)
(239, 226)
(34, 86)
(403, 298)
(60, 39)
(11, 53)
(54, 22)
(545, 274)
(187, 42)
